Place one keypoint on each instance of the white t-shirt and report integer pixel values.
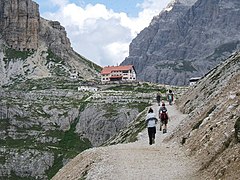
(152, 121)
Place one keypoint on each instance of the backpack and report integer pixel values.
(163, 115)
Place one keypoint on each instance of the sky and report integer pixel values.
(102, 30)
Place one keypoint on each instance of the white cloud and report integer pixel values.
(60, 3)
(100, 34)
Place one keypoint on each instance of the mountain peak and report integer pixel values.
(33, 47)
(186, 41)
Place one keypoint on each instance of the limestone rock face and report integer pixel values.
(186, 40)
(32, 47)
(97, 128)
(211, 132)
(30, 162)
(20, 23)
(55, 37)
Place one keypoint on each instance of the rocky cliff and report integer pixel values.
(20, 24)
(186, 40)
(32, 47)
(212, 130)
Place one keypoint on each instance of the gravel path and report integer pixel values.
(141, 161)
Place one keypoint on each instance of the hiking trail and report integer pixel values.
(139, 160)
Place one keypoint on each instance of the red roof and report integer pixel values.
(109, 69)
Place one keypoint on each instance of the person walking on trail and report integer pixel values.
(170, 97)
(158, 98)
(163, 116)
(151, 121)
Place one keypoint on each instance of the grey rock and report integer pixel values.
(186, 41)
(99, 123)
(211, 133)
(32, 47)
(20, 23)
(26, 163)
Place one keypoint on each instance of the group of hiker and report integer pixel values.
(152, 119)
(169, 97)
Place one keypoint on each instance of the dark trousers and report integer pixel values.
(151, 134)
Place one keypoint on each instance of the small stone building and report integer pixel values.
(88, 88)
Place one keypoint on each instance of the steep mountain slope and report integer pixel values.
(186, 40)
(212, 130)
(32, 47)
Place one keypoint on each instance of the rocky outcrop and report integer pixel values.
(26, 163)
(20, 24)
(211, 132)
(32, 47)
(55, 37)
(100, 121)
(186, 40)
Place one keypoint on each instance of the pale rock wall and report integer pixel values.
(20, 23)
(212, 130)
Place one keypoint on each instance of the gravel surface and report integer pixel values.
(141, 161)
(136, 161)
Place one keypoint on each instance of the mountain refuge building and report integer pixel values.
(194, 80)
(118, 73)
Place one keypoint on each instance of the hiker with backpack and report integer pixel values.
(163, 116)
(170, 97)
(151, 122)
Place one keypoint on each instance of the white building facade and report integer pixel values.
(118, 73)
(194, 80)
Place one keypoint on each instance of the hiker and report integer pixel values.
(170, 97)
(151, 121)
(163, 116)
(158, 98)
